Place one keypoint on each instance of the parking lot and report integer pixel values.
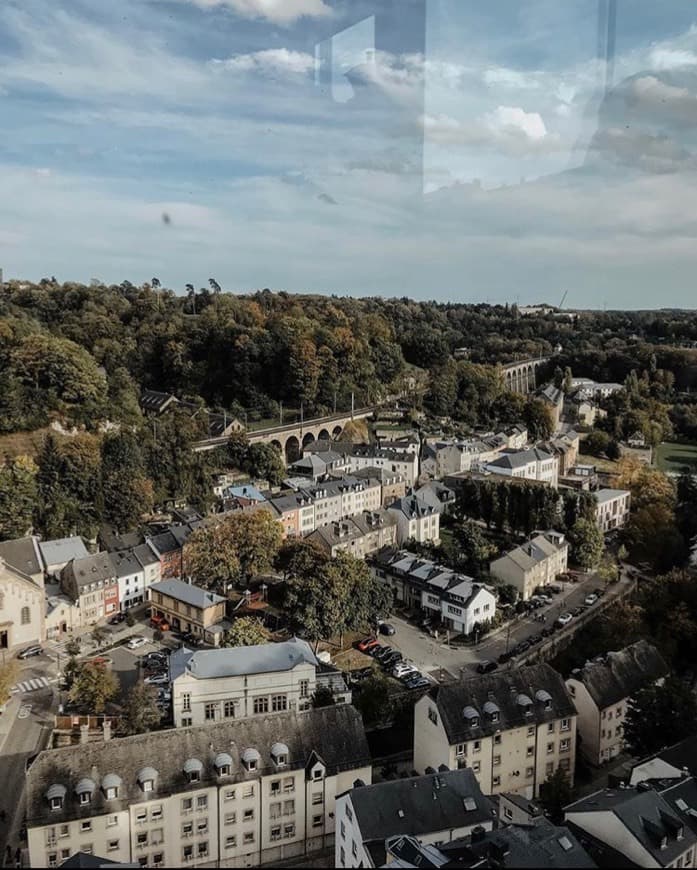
(441, 660)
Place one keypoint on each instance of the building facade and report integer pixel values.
(512, 729)
(613, 508)
(234, 794)
(190, 608)
(536, 563)
(22, 609)
(416, 520)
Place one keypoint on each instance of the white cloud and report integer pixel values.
(511, 78)
(270, 60)
(668, 101)
(508, 120)
(277, 11)
(665, 58)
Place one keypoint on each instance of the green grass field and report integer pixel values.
(671, 456)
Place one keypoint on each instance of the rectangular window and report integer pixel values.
(112, 846)
(202, 802)
(288, 785)
(549, 769)
(276, 786)
(288, 808)
(564, 745)
(210, 711)
(531, 731)
(157, 836)
(229, 709)
(85, 826)
(248, 815)
(186, 702)
(477, 746)
(187, 829)
(304, 688)
(550, 728)
(248, 836)
(188, 853)
(261, 705)
(202, 826)
(496, 780)
(231, 842)
(289, 830)
(529, 752)
(156, 813)
(318, 798)
(275, 810)
(565, 724)
(276, 832)
(187, 805)
(433, 715)
(203, 849)
(142, 839)
(497, 760)
(229, 794)
(317, 821)
(110, 822)
(550, 748)
(141, 816)
(529, 772)
(343, 830)
(279, 703)
(476, 766)
(53, 859)
(248, 791)
(497, 739)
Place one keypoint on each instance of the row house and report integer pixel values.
(602, 690)
(538, 562)
(92, 583)
(361, 535)
(406, 464)
(266, 679)
(239, 793)
(136, 570)
(439, 496)
(319, 464)
(295, 512)
(513, 729)
(392, 485)
(416, 520)
(441, 458)
(420, 584)
(565, 448)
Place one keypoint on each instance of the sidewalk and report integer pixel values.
(7, 718)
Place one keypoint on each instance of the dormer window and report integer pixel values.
(223, 764)
(146, 778)
(56, 795)
(111, 785)
(193, 768)
(251, 759)
(471, 717)
(279, 754)
(85, 797)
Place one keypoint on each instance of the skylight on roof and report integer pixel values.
(470, 804)
(565, 843)
(681, 805)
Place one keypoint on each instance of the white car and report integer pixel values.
(565, 619)
(403, 668)
(135, 642)
(591, 599)
(157, 680)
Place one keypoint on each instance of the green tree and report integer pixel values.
(538, 419)
(323, 697)
(94, 685)
(659, 716)
(373, 699)
(264, 461)
(246, 631)
(140, 712)
(72, 647)
(127, 492)
(555, 794)
(586, 542)
(17, 497)
(474, 550)
(100, 634)
(596, 443)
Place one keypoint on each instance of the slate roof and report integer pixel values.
(334, 734)
(520, 458)
(92, 569)
(145, 555)
(125, 563)
(370, 521)
(682, 754)
(644, 815)
(336, 533)
(530, 554)
(436, 494)
(605, 495)
(163, 543)
(542, 845)
(187, 592)
(552, 394)
(152, 400)
(259, 659)
(62, 550)
(420, 805)
(23, 554)
(621, 674)
(412, 506)
(92, 862)
(504, 689)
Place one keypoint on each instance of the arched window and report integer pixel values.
(26, 616)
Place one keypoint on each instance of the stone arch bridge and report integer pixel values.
(291, 438)
(521, 376)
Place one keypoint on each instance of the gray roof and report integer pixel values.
(420, 805)
(93, 862)
(62, 550)
(145, 555)
(92, 569)
(23, 555)
(530, 554)
(604, 495)
(260, 659)
(369, 521)
(187, 592)
(505, 689)
(519, 458)
(553, 394)
(412, 506)
(621, 674)
(163, 543)
(125, 563)
(542, 845)
(336, 533)
(334, 734)
(647, 818)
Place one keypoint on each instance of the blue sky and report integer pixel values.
(441, 149)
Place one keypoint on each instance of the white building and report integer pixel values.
(613, 508)
(435, 808)
(22, 609)
(130, 577)
(601, 691)
(405, 464)
(455, 599)
(233, 794)
(416, 520)
(535, 563)
(513, 729)
(215, 685)
(532, 464)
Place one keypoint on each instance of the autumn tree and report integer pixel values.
(538, 419)
(140, 713)
(246, 631)
(93, 686)
(586, 542)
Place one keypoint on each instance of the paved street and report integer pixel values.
(430, 655)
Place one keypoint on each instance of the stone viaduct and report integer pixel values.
(521, 376)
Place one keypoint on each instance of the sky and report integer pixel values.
(437, 149)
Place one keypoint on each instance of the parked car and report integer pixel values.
(522, 647)
(365, 644)
(157, 680)
(505, 657)
(577, 611)
(135, 642)
(117, 619)
(402, 668)
(536, 638)
(591, 599)
(555, 590)
(383, 653)
(30, 652)
(565, 619)
(388, 662)
(387, 628)
(374, 651)
(417, 683)
(486, 667)
(546, 632)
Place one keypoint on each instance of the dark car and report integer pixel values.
(522, 647)
(486, 667)
(546, 632)
(388, 662)
(555, 590)
(505, 657)
(382, 654)
(536, 638)
(117, 618)
(417, 683)
(577, 611)
(374, 651)
(30, 652)
(387, 628)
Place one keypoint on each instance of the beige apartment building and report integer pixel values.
(613, 508)
(512, 729)
(215, 685)
(233, 794)
(22, 609)
(601, 691)
(190, 608)
(536, 563)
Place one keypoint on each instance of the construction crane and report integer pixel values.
(563, 299)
